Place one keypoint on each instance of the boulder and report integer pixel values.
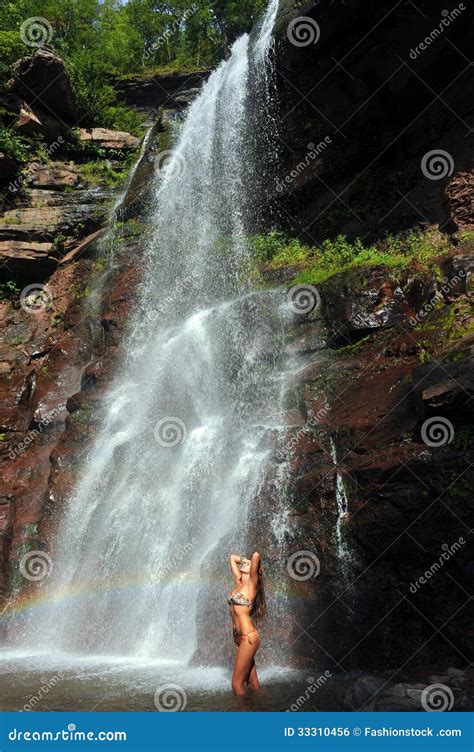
(107, 139)
(42, 81)
(363, 690)
(26, 258)
(446, 388)
(360, 301)
(55, 176)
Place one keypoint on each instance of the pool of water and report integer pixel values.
(65, 682)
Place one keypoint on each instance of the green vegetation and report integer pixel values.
(9, 290)
(102, 172)
(413, 249)
(100, 40)
(12, 144)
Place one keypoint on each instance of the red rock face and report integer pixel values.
(362, 385)
(407, 490)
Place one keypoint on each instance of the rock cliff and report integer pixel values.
(379, 438)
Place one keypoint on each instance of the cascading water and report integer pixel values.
(342, 512)
(182, 447)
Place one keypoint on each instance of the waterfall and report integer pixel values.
(342, 510)
(183, 443)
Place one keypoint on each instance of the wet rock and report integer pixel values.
(141, 185)
(395, 195)
(446, 388)
(363, 690)
(456, 672)
(458, 273)
(415, 694)
(394, 690)
(358, 302)
(150, 93)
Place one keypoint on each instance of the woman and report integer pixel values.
(246, 600)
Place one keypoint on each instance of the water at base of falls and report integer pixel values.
(102, 683)
(166, 489)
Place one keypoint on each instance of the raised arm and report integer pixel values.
(234, 561)
(255, 567)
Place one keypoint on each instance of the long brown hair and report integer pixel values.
(259, 608)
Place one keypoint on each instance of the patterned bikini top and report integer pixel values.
(239, 599)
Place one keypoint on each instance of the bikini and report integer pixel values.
(239, 599)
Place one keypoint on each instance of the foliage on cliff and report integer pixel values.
(102, 40)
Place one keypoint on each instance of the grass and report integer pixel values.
(417, 250)
(163, 70)
(100, 172)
